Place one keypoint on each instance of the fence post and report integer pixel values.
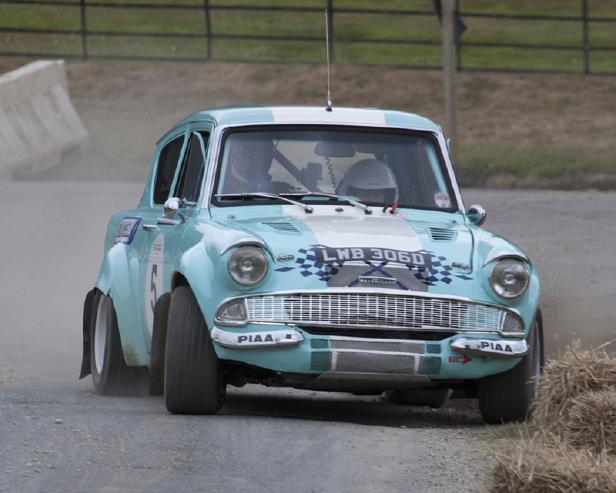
(457, 40)
(585, 43)
(449, 72)
(330, 21)
(84, 30)
(208, 27)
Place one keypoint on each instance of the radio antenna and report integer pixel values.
(329, 94)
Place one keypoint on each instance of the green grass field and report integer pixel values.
(361, 27)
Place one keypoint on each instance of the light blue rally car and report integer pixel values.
(315, 248)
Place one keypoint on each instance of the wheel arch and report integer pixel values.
(114, 280)
(196, 270)
(178, 279)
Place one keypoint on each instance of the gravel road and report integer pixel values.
(56, 434)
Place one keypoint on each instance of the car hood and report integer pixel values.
(346, 247)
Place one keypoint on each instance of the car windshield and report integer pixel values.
(376, 167)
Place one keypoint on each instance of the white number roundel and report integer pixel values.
(154, 279)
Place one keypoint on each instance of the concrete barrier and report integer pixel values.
(37, 119)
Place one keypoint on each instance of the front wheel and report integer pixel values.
(509, 396)
(193, 374)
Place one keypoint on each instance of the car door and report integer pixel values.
(162, 249)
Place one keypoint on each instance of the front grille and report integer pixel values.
(358, 310)
(369, 333)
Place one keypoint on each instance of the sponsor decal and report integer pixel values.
(442, 200)
(460, 359)
(126, 230)
(500, 347)
(372, 281)
(254, 338)
(154, 279)
(328, 263)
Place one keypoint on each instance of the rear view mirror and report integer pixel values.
(334, 149)
(171, 207)
(476, 214)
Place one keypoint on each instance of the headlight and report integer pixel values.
(247, 265)
(509, 278)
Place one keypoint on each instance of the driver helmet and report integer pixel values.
(370, 180)
(249, 164)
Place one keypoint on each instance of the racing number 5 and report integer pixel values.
(153, 292)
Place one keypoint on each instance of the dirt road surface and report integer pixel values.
(56, 434)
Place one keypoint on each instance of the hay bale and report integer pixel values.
(531, 466)
(592, 422)
(576, 372)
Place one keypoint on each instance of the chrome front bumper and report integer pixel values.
(356, 354)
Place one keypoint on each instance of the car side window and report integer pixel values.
(165, 171)
(193, 169)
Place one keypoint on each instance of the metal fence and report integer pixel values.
(73, 39)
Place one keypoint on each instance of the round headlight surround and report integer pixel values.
(248, 265)
(509, 278)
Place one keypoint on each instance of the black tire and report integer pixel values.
(433, 398)
(509, 396)
(159, 338)
(193, 374)
(110, 374)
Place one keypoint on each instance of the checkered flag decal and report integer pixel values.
(438, 271)
(308, 265)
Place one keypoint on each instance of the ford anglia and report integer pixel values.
(315, 248)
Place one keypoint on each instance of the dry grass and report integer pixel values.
(564, 380)
(592, 422)
(535, 466)
(571, 446)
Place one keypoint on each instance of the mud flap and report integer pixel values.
(87, 322)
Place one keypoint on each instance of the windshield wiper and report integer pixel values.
(249, 195)
(340, 198)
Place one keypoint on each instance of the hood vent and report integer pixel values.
(281, 226)
(442, 234)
